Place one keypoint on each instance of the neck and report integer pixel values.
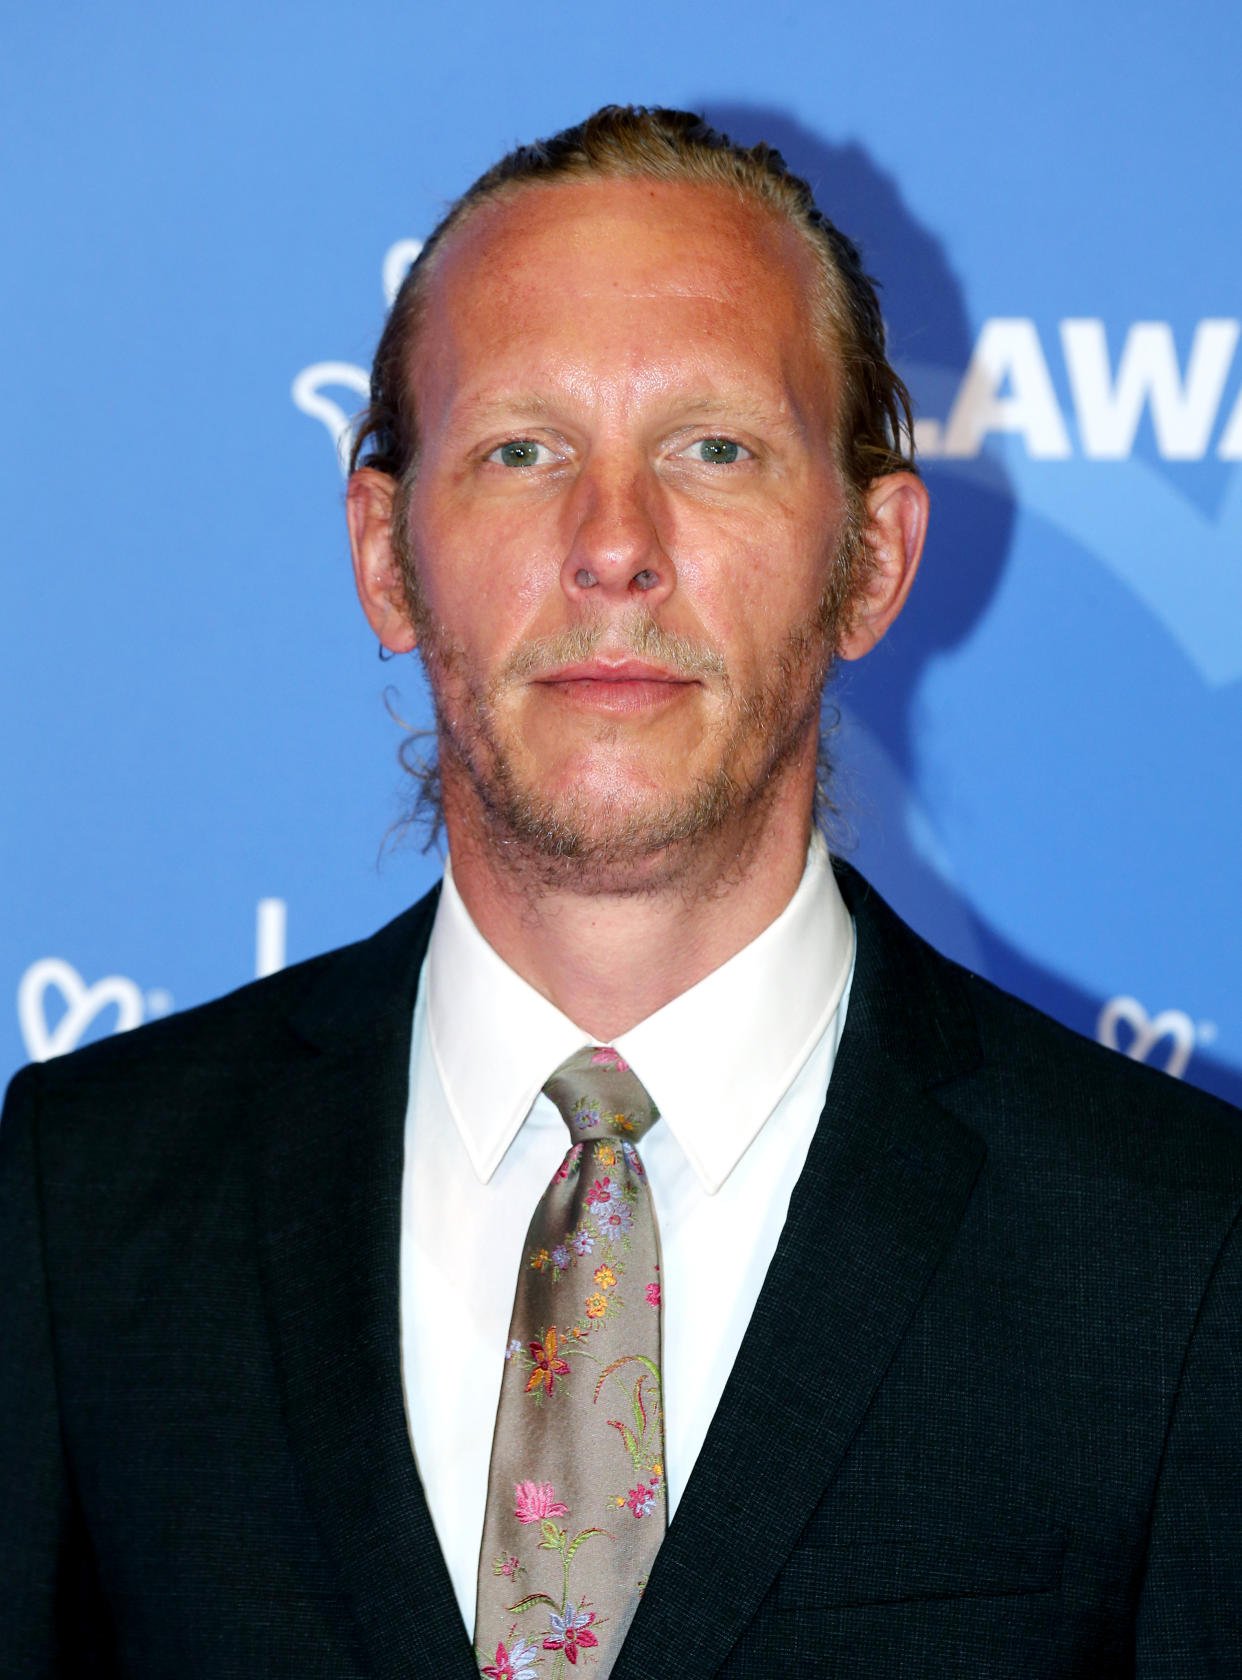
(608, 959)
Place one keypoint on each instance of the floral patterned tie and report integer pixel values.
(575, 1500)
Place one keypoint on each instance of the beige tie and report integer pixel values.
(575, 1499)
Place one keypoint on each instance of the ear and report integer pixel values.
(377, 571)
(896, 523)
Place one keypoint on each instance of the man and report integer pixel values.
(914, 1318)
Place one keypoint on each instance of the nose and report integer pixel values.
(614, 549)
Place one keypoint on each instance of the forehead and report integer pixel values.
(625, 273)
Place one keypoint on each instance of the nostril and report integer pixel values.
(646, 579)
(585, 579)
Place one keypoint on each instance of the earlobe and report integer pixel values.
(377, 570)
(896, 508)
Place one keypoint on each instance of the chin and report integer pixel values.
(618, 838)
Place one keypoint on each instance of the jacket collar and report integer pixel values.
(352, 993)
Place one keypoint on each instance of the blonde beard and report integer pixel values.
(610, 845)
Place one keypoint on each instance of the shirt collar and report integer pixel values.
(716, 1060)
(494, 1038)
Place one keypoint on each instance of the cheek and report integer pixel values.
(754, 577)
(483, 576)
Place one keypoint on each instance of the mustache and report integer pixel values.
(639, 635)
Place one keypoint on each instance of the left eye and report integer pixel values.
(520, 452)
(716, 451)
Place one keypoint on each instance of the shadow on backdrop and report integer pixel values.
(967, 550)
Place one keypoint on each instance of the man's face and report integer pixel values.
(624, 520)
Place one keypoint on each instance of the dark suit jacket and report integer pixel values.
(986, 1420)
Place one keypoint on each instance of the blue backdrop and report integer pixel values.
(205, 209)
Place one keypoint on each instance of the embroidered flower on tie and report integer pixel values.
(548, 1367)
(513, 1663)
(587, 1115)
(653, 1294)
(607, 1057)
(596, 1306)
(560, 1257)
(641, 1500)
(582, 1242)
(613, 1220)
(605, 1155)
(605, 1277)
(609, 1210)
(536, 1501)
(570, 1632)
(509, 1565)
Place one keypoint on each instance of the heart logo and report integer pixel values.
(309, 387)
(82, 1004)
(307, 392)
(1146, 1033)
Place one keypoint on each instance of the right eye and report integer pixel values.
(521, 452)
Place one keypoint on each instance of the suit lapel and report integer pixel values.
(333, 1153)
(883, 1191)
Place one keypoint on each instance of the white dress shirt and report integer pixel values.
(737, 1066)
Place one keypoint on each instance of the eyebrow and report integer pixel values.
(484, 409)
(703, 405)
(743, 409)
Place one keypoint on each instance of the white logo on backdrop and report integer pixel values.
(310, 392)
(271, 922)
(1146, 1032)
(81, 1003)
(1180, 562)
(311, 387)
(1007, 387)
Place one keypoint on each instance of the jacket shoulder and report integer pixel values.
(1042, 1064)
(191, 1073)
(1042, 1096)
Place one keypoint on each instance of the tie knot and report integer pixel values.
(599, 1096)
